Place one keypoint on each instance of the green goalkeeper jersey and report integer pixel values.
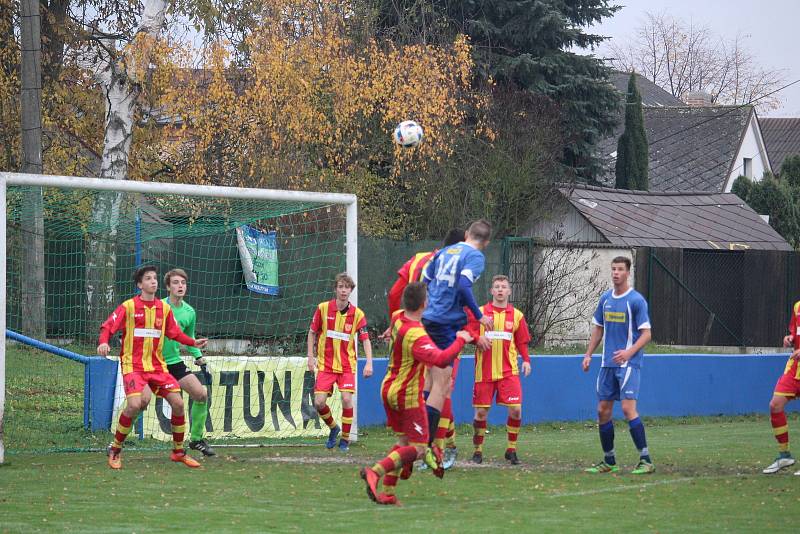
(186, 318)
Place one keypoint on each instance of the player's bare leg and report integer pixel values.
(197, 392)
(178, 421)
(780, 428)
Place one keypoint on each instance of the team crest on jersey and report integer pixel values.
(348, 327)
(509, 325)
(158, 322)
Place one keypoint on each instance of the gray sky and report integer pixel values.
(770, 24)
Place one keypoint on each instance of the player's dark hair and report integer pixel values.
(414, 296)
(175, 272)
(141, 271)
(455, 235)
(346, 278)
(480, 230)
(622, 259)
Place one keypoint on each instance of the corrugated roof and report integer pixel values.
(674, 219)
(690, 148)
(781, 139)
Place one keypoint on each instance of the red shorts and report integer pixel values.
(508, 391)
(787, 386)
(161, 383)
(412, 423)
(326, 379)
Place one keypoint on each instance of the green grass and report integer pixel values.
(708, 479)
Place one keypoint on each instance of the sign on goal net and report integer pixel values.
(258, 262)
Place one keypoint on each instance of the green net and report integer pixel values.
(257, 269)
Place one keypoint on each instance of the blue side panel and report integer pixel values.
(557, 390)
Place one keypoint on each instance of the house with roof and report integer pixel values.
(701, 236)
(781, 139)
(693, 146)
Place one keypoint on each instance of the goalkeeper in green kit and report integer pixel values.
(176, 282)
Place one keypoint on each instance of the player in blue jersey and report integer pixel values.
(622, 322)
(450, 275)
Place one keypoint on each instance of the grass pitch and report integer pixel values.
(708, 479)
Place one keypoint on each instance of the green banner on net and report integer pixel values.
(258, 252)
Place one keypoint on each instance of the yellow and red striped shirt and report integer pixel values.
(144, 325)
(412, 350)
(792, 367)
(411, 271)
(337, 332)
(509, 338)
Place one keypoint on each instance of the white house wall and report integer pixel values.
(572, 227)
(752, 147)
(579, 308)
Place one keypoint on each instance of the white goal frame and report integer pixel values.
(127, 186)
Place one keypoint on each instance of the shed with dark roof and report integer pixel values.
(629, 219)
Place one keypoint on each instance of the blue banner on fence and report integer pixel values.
(258, 252)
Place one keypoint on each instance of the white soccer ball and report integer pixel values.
(408, 134)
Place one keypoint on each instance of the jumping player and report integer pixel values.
(401, 392)
(176, 282)
(332, 353)
(450, 276)
(496, 369)
(622, 322)
(787, 389)
(145, 321)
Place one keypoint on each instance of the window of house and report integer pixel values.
(747, 167)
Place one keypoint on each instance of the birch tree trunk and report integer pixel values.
(32, 281)
(119, 79)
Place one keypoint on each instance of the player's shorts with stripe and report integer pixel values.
(178, 370)
(346, 382)
(618, 383)
(160, 382)
(443, 335)
(508, 392)
(787, 386)
(412, 423)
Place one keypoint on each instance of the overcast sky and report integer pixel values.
(771, 27)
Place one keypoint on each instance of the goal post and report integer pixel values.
(202, 229)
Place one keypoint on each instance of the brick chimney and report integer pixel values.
(697, 99)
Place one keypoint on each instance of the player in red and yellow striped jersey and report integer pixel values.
(145, 321)
(787, 389)
(332, 353)
(496, 369)
(412, 270)
(401, 391)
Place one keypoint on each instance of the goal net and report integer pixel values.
(258, 262)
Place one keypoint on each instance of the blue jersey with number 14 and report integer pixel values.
(442, 274)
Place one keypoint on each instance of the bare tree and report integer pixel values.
(119, 73)
(681, 57)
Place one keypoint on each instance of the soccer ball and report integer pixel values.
(408, 134)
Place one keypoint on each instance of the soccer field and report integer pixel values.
(708, 479)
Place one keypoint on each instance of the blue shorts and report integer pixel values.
(618, 383)
(442, 334)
